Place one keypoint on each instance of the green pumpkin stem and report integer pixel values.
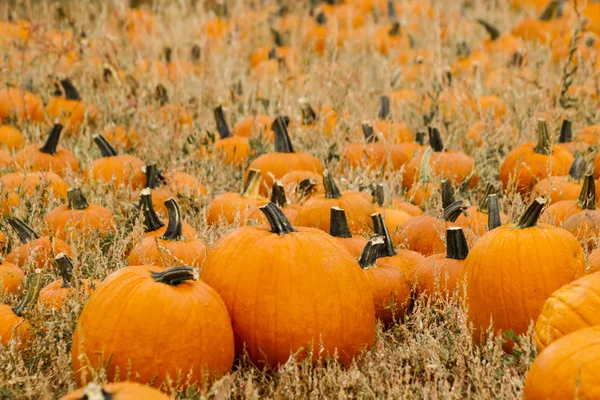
(76, 199)
(544, 145)
(530, 217)
(381, 229)
(278, 195)
(491, 29)
(457, 247)
(174, 229)
(222, 127)
(70, 92)
(368, 132)
(252, 186)
(151, 221)
(566, 132)
(384, 108)
(309, 116)
(453, 211)
(372, 251)
(176, 275)
(435, 139)
(34, 285)
(277, 220)
(587, 195)
(106, 149)
(483, 204)
(577, 169)
(493, 207)
(331, 189)
(65, 269)
(338, 223)
(51, 143)
(283, 143)
(424, 168)
(25, 232)
(447, 194)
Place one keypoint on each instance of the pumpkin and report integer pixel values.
(199, 350)
(565, 138)
(339, 229)
(154, 182)
(475, 218)
(58, 292)
(389, 287)
(283, 311)
(302, 185)
(153, 225)
(390, 38)
(6, 160)
(392, 132)
(585, 224)
(185, 185)
(566, 369)
(113, 169)
(590, 135)
(557, 213)
(11, 277)
(69, 110)
(545, 29)
(122, 136)
(78, 218)
(373, 154)
(441, 273)
(278, 198)
(315, 212)
(20, 104)
(558, 188)
(322, 118)
(423, 189)
(384, 201)
(11, 138)
(13, 324)
(116, 391)
(232, 207)
(172, 248)
(526, 164)
(232, 149)
(35, 252)
(283, 160)
(523, 264)
(500, 46)
(256, 125)
(28, 184)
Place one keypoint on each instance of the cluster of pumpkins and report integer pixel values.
(309, 268)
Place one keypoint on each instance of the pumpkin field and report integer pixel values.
(299, 199)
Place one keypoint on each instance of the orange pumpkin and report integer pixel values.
(384, 201)
(56, 294)
(185, 185)
(339, 229)
(585, 224)
(11, 138)
(383, 126)
(6, 159)
(421, 191)
(20, 104)
(14, 186)
(256, 125)
(232, 149)
(153, 225)
(475, 218)
(278, 198)
(69, 110)
(13, 324)
(11, 277)
(557, 213)
(558, 188)
(302, 185)
(154, 181)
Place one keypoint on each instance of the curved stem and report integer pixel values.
(368, 132)
(544, 144)
(530, 217)
(152, 176)
(435, 139)
(447, 193)
(338, 223)
(51, 143)
(587, 195)
(277, 220)
(65, 269)
(424, 169)
(457, 247)
(151, 221)
(309, 116)
(331, 189)
(25, 232)
(70, 92)
(381, 229)
(252, 186)
(76, 199)
(566, 132)
(176, 275)
(491, 29)
(483, 204)
(494, 219)
(34, 285)
(283, 143)
(175, 225)
(222, 127)
(371, 252)
(577, 170)
(384, 108)
(453, 211)
(278, 194)
(106, 149)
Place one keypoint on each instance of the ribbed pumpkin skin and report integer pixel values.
(157, 329)
(436, 274)
(284, 292)
(510, 273)
(571, 308)
(567, 369)
(13, 327)
(594, 261)
(391, 292)
(123, 391)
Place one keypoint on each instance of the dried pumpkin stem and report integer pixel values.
(51, 143)
(395, 30)
(34, 285)
(277, 37)
(283, 143)
(25, 232)
(457, 247)
(544, 144)
(420, 137)
(530, 217)
(483, 204)
(577, 169)
(381, 195)
(222, 126)
(372, 251)
(309, 116)
(384, 108)
(196, 53)
(278, 194)
(587, 195)
(368, 132)
(566, 132)
(174, 229)
(381, 229)
(447, 193)
(106, 149)
(491, 29)
(424, 168)
(252, 186)
(494, 219)
(435, 139)
(71, 92)
(391, 9)
(76, 199)
(151, 221)
(321, 18)
(306, 186)
(551, 9)
(176, 275)
(453, 211)
(331, 189)
(277, 220)
(338, 223)
(65, 269)
(152, 176)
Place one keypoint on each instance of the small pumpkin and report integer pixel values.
(11, 277)
(30, 184)
(475, 218)
(20, 104)
(424, 187)
(122, 136)
(585, 224)
(302, 185)
(68, 109)
(6, 160)
(557, 213)
(558, 188)
(11, 138)
(58, 292)
(116, 391)
(383, 126)
(232, 149)
(339, 229)
(155, 182)
(279, 198)
(13, 324)
(185, 185)
(566, 140)
(384, 201)
(259, 124)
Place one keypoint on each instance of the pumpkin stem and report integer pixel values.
(384, 108)
(93, 391)
(435, 139)
(277, 37)
(530, 217)
(494, 219)
(566, 132)
(106, 149)
(456, 243)
(283, 143)
(76, 199)
(279, 223)
(309, 116)
(222, 127)
(331, 189)
(372, 251)
(447, 193)
(483, 204)
(395, 30)
(306, 186)
(368, 132)
(151, 221)
(424, 168)
(517, 60)
(381, 229)
(544, 145)
(338, 223)
(25, 232)
(549, 11)
(381, 195)
(51, 143)
(34, 284)
(174, 227)
(391, 10)
(453, 211)
(587, 195)
(420, 137)
(252, 186)
(196, 53)
(65, 269)
(176, 275)
(577, 170)
(321, 19)
(278, 194)
(70, 92)
(491, 29)
(152, 176)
